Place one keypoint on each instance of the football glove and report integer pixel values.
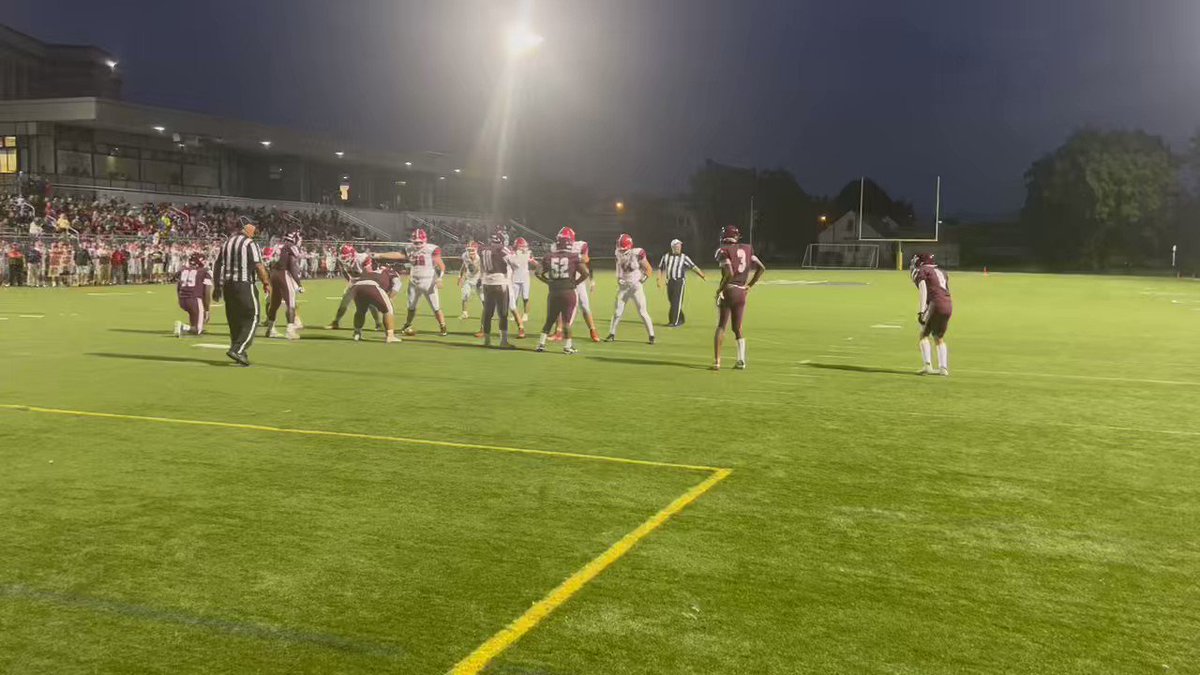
(921, 318)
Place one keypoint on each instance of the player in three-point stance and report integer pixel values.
(469, 277)
(933, 311)
(736, 260)
(194, 289)
(374, 290)
(285, 285)
(585, 259)
(351, 265)
(425, 278)
(562, 271)
(633, 269)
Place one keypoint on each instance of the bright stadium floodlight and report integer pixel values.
(408, 164)
(521, 40)
(340, 154)
(503, 177)
(458, 171)
(159, 128)
(265, 144)
(112, 65)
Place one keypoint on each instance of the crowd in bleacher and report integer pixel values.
(80, 217)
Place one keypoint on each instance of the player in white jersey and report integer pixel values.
(523, 260)
(469, 277)
(425, 278)
(633, 269)
(581, 291)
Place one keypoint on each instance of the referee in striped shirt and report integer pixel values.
(239, 261)
(674, 267)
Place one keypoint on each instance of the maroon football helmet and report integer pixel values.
(197, 260)
(730, 234)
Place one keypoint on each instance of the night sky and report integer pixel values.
(627, 95)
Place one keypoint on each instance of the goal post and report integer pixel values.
(841, 256)
(879, 228)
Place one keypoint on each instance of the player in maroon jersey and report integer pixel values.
(933, 311)
(495, 261)
(562, 270)
(374, 290)
(736, 261)
(285, 285)
(194, 288)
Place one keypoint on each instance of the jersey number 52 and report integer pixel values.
(559, 268)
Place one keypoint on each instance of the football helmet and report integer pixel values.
(624, 242)
(419, 236)
(568, 233)
(293, 237)
(730, 234)
(347, 252)
(521, 243)
(197, 260)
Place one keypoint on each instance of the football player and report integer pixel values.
(585, 259)
(495, 261)
(933, 311)
(194, 289)
(520, 279)
(285, 285)
(425, 278)
(469, 277)
(562, 271)
(633, 269)
(736, 261)
(375, 290)
(351, 265)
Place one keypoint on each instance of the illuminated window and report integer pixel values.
(8, 160)
(9, 142)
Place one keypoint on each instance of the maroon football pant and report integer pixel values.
(283, 292)
(195, 311)
(937, 322)
(368, 295)
(560, 303)
(732, 307)
(495, 303)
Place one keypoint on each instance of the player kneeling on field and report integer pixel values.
(933, 311)
(194, 288)
(562, 270)
(374, 290)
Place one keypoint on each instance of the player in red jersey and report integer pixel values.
(933, 311)
(562, 271)
(736, 261)
(285, 285)
(374, 290)
(194, 289)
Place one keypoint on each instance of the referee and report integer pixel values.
(237, 264)
(674, 267)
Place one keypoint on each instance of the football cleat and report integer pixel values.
(740, 365)
(442, 330)
(570, 350)
(465, 316)
(409, 331)
(178, 329)
(358, 336)
(238, 357)
(292, 334)
(716, 365)
(392, 339)
(651, 339)
(610, 338)
(944, 372)
(272, 333)
(927, 370)
(332, 326)
(505, 344)
(540, 348)
(479, 334)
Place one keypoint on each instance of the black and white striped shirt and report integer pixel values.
(676, 266)
(238, 259)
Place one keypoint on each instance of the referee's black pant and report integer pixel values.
(241, 311)
(675, 295)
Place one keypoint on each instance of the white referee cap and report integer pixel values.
(675, 242)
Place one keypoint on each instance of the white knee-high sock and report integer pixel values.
(542, 340)
(926, 353)
(646, 320)
(741, 349)
(943, 356)
(616, 320)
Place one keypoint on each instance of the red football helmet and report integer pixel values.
(730, 234)
(419, 236)
(197, 260)
(521, 243)
(347, 252)
(568, 233)
(624, 242)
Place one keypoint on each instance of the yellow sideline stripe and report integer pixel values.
(483, 654)
(366, 437)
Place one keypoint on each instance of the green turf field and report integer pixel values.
(1036, 512)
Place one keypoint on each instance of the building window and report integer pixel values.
(8, 154)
